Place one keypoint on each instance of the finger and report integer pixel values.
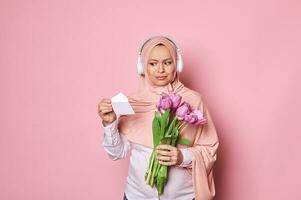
(106, 111)
(105, 100)
(165, 153)
(102, 107)
(172, 161)
(107, 108)
(169, 163)
(164, 158)
(104, 104)
(165, 147)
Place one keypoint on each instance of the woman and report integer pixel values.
(190, 173)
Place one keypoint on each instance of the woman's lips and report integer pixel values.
(161, 77)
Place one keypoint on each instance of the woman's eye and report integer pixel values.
(168, 63)
(152, 64)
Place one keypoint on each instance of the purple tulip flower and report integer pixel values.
(190, 118)
(199, 116)
(164, 103)
(183, 110)
(176, 100)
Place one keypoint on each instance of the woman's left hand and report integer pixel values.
(169, 155)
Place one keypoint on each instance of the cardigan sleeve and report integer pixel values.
(204, 151)
(115, 144)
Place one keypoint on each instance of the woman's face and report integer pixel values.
(160, 66)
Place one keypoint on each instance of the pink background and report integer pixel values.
(58, 58)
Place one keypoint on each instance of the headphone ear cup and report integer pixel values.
(180, 64)
(140, 68)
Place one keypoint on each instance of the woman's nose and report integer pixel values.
(161, 68)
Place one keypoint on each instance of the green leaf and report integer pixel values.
(156, 131)
(174, 132)
(157, 115)
(171, 127)
(164, 120)
(162, 179)
(184, 141)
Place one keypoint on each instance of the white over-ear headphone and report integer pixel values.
(140, 65)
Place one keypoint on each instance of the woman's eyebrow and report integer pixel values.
(157, 60)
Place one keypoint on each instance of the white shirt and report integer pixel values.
(179, 184)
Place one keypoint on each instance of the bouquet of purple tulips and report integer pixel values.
(168, 122)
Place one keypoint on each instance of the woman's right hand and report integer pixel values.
(105, 111)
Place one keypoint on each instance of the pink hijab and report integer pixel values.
(138, 128)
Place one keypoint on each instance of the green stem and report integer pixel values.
(154, 173)
(150, 169)
(182, 127)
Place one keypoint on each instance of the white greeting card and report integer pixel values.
(121, 106)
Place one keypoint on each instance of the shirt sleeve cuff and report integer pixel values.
(187, 158)
(111, 128)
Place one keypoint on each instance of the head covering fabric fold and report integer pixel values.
(138, 127)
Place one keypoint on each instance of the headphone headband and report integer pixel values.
(140, 50)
